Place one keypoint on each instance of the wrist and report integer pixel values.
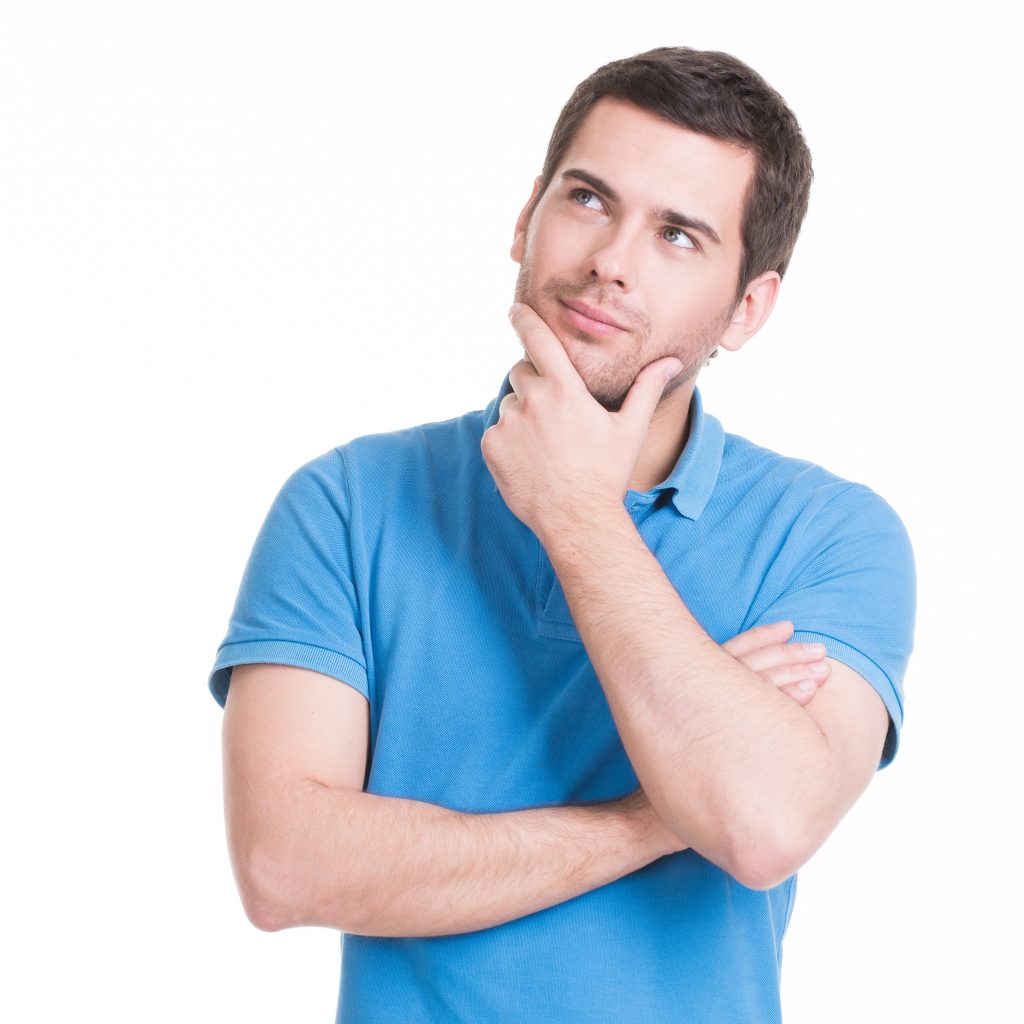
(658, 837)
(645, 828)
(581, 526)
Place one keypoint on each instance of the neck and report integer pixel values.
(665, 441)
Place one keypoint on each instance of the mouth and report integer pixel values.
(590, 319)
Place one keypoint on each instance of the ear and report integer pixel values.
(519, 239)
(752, 311)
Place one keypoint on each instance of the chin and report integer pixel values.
(611, 401)
(611, 404)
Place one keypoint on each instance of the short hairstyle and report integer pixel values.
(713, 94)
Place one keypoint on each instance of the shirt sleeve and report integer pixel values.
(297, 603)
(845, 578)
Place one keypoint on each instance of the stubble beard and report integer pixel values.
(610, 384)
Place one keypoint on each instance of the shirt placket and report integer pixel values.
(551, 610)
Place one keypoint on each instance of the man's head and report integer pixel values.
(712, 94)
(696, 136)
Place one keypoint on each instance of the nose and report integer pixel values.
(613, 260)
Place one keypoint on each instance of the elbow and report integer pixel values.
(760, 872)
(282, 870)
(265, 914)
(269, 893)
(283, 889)
(767, 854)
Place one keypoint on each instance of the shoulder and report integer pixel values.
(813, 531)
(434, 442)
(837, 561)
(801, 493)
(385, 468)
(749, 465)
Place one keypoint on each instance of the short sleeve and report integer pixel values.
(297, 603)
(845, 578)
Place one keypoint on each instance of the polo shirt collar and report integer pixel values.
(695, 474)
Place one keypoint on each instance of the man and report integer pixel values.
(583, 745)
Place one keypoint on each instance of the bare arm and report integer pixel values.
(408, 868)
(310, 848)
(752, 782)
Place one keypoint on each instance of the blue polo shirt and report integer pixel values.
(393, 564)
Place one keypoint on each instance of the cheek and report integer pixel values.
(556, 240)
(538, 255)
(695, 301)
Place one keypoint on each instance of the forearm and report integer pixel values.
(387, 866)
(729, 762)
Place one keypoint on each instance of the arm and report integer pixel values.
(751, 780)
(310, 848)
(300, 826)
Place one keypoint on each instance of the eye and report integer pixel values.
(584, 197)
(677, 235)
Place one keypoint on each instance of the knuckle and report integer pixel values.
(489, 440)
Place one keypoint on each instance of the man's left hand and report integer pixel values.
(555, 451)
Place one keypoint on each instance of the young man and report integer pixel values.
(583, 746)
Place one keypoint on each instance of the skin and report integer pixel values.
(673, 290)
(590, 417)
(300, 825)
(290, 768)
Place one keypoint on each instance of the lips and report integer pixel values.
(593, 313)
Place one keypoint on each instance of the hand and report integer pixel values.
(555, 450)
(796, 669)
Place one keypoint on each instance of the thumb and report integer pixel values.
(648, 387)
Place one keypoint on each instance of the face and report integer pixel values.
(634, 249)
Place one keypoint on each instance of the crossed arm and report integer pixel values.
(749, 779)
(301, 829)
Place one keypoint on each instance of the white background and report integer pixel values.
(235, 235)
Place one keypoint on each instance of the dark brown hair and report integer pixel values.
(717, 95)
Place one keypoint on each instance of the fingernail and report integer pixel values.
(513, 309)
(819, 670)
(805, 687)
(672, 369)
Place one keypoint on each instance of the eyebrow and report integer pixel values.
(673, 217)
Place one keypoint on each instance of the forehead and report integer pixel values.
(654, 163)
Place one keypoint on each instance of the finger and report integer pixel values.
(803, 693)
(757, 637)
(521, 374)
(783, 654)
(785, 675)
(506, 403)
(542, 346)
(643, 397)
